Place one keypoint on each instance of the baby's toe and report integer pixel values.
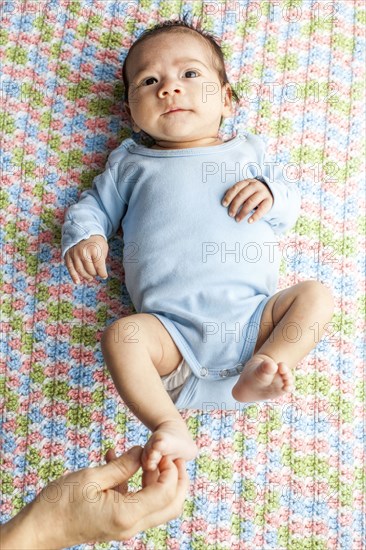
(268, 366)
(266, 372)
(150, 458)
(283, 369)
(158, 444)
(287, 377)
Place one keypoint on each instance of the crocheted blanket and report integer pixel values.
(284, 475)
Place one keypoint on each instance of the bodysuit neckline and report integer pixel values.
(138, 149)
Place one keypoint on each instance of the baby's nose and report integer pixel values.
(170, 87)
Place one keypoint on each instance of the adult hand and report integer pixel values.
(87, 259)
(249, 194)
(94, 505)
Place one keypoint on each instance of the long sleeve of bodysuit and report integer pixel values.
(99, 210)
(286, 195)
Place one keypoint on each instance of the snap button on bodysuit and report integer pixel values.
(239, 368)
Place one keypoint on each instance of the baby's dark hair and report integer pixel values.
(181, 25)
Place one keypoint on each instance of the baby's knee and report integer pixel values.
(317, 293)
(130, 338)
(119, 333)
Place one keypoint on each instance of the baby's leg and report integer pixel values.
(292, 324)
(138, 350)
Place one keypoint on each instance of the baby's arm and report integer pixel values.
(88, 224)
(286, 194)
(276, 201)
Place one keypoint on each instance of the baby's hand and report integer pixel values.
(250, 194)
(87, 259)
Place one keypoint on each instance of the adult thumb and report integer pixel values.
(118, 470)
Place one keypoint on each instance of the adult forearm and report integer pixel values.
(26, 531)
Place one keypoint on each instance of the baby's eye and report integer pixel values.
(147, 79)
(144, 82)
(191, 72)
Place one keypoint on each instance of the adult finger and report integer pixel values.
(183, 477)
(118, 470)
(149, 477)
(110, 455)
(158, 503)
(169, 490)
(122, 488)
(171, 502)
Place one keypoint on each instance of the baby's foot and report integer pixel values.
(170, 438)
(263, 379)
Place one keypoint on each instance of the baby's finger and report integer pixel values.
(101, 269)
(87, 255)
(79, 267)
(94, 260)
(89, 268)
(246, 199)
(243, 203)
(235, 189)
(264, 207)
(97, 254)
(71, 269)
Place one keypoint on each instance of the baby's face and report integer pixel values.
(174, 70)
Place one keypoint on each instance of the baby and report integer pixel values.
(200, 220)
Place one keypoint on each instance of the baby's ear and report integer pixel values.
(227, 101)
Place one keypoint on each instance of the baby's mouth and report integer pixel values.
(175, 110)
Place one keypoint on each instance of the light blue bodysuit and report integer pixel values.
(206, 277)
